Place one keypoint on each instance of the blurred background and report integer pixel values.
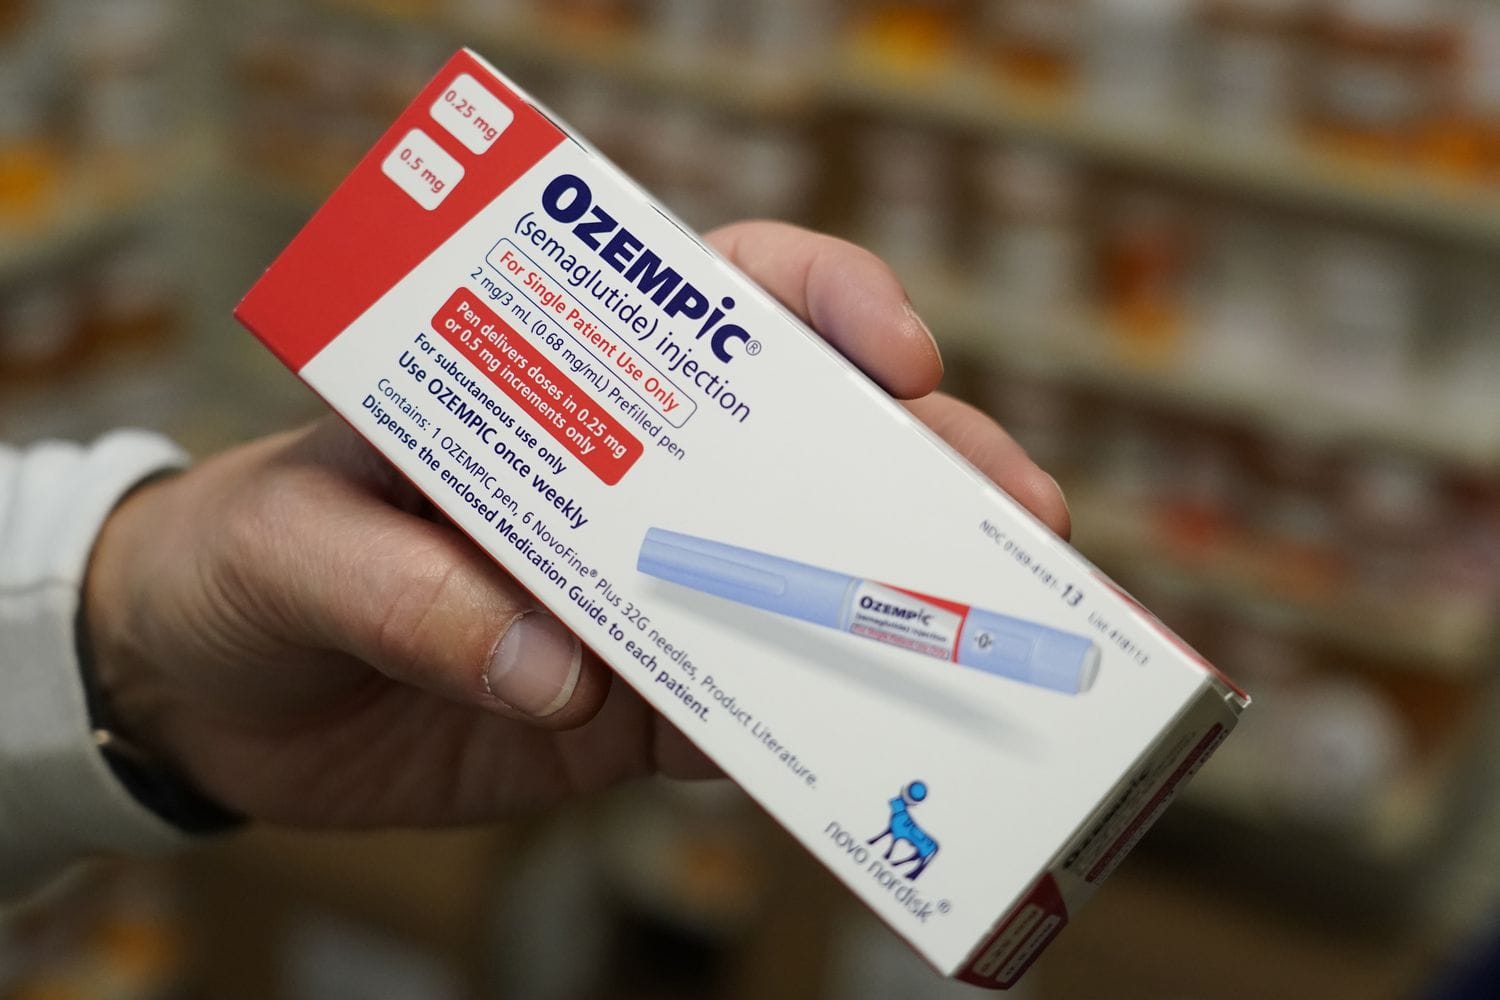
(1226, 267)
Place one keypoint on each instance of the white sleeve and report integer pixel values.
(59, 801)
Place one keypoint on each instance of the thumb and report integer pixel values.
(421, 604)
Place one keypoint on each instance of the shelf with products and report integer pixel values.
(958, 89)
(960, 95)
(712, 71)
(1300, 326)
(94, 126)
(721, 77)
(101, 155)
(1085, 352)
(1375, 551)
(1363, 727)
(1371, 768)
(1158, 931)
(95, 297)
(1417, 630)
(305, 114)
(96, 202)
(977, 102)
(1383, 113)
(1424, 416)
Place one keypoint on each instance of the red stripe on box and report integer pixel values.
(1152, 809)
(519, 368)
(371, 234)
(1003, 959)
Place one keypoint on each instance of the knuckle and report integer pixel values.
(423, 621)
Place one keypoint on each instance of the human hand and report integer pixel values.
(291, 627)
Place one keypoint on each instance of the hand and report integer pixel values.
(291, 626)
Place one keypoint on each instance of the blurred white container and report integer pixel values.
(1340, 746)
(1365, 301)
(1246, 331)
(1393, 508)
(1033, 251)
(681, 146)
(1043, 417)
(1381, 74)
(771, 172)
(906, 211)
(40, 327)
(1136, 59)
(1479, 87)
(687, 32)
(1253, 59)
(1036, 43)
(784, 34)
(1464, 380)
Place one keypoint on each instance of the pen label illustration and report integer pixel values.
(902, 828)
(971, 637)
(897, 618)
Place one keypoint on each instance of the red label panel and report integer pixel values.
(371, 233)
(518, 368)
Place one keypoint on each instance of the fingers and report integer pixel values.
(847, 294)
(996, 454)
(854, 300)
(416, 600)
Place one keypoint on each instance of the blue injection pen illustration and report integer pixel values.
(970, 637)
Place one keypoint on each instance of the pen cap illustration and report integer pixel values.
(746, 576)
(970, 637)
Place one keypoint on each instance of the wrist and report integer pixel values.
(128, 697)
(114, 657)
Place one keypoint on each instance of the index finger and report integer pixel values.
(847, 294)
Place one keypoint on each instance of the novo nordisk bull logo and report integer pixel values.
(919, 850)
(903, 829)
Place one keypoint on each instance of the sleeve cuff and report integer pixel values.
(59, 800)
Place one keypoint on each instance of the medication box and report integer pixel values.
(958, 715)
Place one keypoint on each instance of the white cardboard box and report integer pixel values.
(706, 493)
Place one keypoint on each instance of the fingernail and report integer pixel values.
(535, 668)
(1061, 496)
(917, 321)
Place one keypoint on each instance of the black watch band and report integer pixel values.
(150, 781)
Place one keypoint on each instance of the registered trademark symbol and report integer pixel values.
(944, 906)
(753, 348)
(593, 572)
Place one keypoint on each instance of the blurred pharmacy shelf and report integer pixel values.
(81, 226)
(1081, 351)
(1417, 632)
(94, 203)
(728, 79)
(964, 96)
(101, 272)
(969, 99)
(1397, 827)
(724, 78)
(966, 99)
